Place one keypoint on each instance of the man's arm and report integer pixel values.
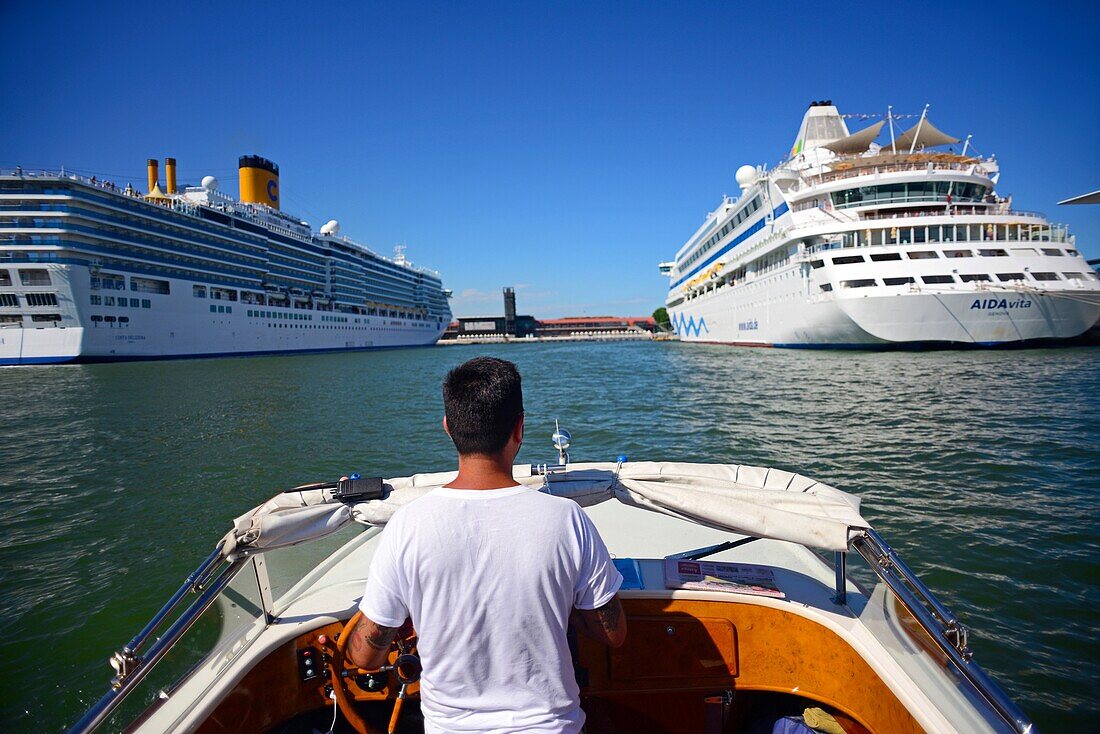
(370, 643)
(606, 624)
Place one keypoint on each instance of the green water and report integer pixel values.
(981, 468)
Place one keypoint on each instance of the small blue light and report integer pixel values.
(621, 459)
(356, 475)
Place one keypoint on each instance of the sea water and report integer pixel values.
(981, 468)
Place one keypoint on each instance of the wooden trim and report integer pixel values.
(772, 650)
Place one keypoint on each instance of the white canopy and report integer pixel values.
(856, 142)
(1093, 198)
(927, 136)
(750, 500)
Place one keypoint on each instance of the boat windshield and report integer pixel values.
(257, 592)
(904, 638)
(218, 635)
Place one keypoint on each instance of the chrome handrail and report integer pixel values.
(943, 628)
(194, 582)
(132, 668)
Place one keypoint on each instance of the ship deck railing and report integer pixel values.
(854, 166)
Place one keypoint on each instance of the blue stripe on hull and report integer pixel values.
(208, 355)
(4, 362)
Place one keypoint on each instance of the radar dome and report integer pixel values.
(210, 183)
(330, 227)
(746, 176)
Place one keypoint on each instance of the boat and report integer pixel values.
(91, 272)
(851, 242)
(751, 594)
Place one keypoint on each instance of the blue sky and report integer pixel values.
(561, 148)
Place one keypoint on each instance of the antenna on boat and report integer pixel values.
(966, 144)
(561, 439)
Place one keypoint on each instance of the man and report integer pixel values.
(490, 573)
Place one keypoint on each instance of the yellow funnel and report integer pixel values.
(259, 181)
(169, 175)
(154, 174)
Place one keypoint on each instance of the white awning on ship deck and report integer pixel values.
(749, 500)
(927, 135)
(856, 142)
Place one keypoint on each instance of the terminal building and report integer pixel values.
(522, 326)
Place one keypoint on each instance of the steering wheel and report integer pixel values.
(406, 668)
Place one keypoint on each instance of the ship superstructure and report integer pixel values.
(850, 242)
(91, 272)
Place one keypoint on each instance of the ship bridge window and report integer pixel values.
(149, 285)
(922, 255)
(897, 281)
(1074, 276)
(826, 287)
(10, 320)
(862, 283)
(815, 264)
(975, 278)
(848, 259)
(992, 253)
(9, 300)
(1024, 251)
(1046, 251)
(885, 256)
(46, 317)
(40, 299)
(957, 253)
(5, 277)
(936, 279)
(35, 277)
(1045, 276)
(1005, 277)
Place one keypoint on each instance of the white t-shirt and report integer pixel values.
(489, 578)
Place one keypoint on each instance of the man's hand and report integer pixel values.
(370, 644)
(606, 624)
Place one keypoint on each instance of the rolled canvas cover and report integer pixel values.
(750, 500)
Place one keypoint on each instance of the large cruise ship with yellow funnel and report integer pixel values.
(90, 271)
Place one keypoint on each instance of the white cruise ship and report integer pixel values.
(856, 243)
(92, 272)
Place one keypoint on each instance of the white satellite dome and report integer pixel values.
(210, 183)
(330, 227)
(746, 176)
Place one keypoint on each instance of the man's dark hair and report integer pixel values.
(483, 400)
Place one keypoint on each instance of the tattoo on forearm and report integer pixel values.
(610, 613)
(380, 638)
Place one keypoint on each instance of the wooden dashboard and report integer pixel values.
(677, 654)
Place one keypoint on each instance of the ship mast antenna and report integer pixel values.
(890, 117)
(920, 123)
